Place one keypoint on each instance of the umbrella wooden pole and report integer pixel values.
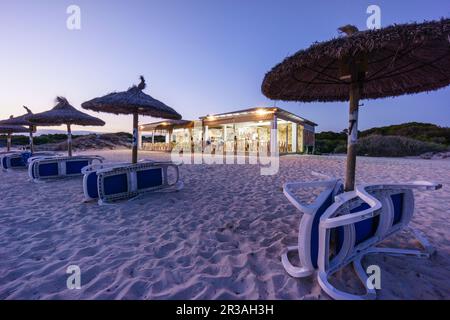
(352, 136)
(8, 142)
(135, 137)
(69, 140)
(31, 140)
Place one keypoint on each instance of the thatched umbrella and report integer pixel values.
(135, 102)
(9, 130)
(397, 60)
(64, 113)
(22, 121)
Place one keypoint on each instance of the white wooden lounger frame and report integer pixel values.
(131, 171)
(309, 211)
(34, 162)
(378, 197)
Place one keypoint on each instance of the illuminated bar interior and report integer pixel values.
(246, 130)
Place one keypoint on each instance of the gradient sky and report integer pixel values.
(199, 57)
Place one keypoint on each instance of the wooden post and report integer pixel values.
(203, 137)
(8, 142)
(257, 143)
(135, 138)
(170, 139)
(274, 149)
(352, 130)
(69, 140)
(191, 141)
(139, 140)
(294, 137)
(234, 139)
(224, 132)
(31, 139)
(287, 137)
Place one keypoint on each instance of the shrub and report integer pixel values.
(395, 146)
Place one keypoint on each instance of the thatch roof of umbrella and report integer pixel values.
(20, 120)
(64, 113)
(400, 59)
(397, 60)
(12, 129)
(134, 100)
(9, 130)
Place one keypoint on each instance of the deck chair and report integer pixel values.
(90, 188)
(114, 182)
(358, 221)
(19, 160)
(308, 234)
(54, 167)
(12, 160)
(89, 172)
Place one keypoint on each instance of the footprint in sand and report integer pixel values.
(223, 237)
(165, 250)
(87, 252)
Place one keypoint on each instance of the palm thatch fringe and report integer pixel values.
(9, 129)
(400, 59)
(64, 113)
(134, 100)
(20, 120)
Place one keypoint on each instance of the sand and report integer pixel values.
(219, 238)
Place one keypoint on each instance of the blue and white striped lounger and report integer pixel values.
(19, 160)
(113, 182)
(358, 221)
(46, 168)
(15, 160)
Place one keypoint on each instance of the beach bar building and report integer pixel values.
(259, 129)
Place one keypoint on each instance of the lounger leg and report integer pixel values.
(293, 271)
(136, 197)
(362, 275)
(429, 249)
(357, 265)
(179, 185)
(427, 253)
(400, 252)
(337, 294)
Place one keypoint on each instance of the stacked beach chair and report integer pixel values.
(341, 228)
(109, 183)
(19, 159)
(43, 168)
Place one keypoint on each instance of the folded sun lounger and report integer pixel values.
(308, 234)
(14, 160)
(113, 182)
(19, 160)
(45, 168)
(357, 222)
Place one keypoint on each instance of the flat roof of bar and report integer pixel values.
(233, 114)
(165, 123)
(276, 110)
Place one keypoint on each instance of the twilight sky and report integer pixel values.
(198, 56)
